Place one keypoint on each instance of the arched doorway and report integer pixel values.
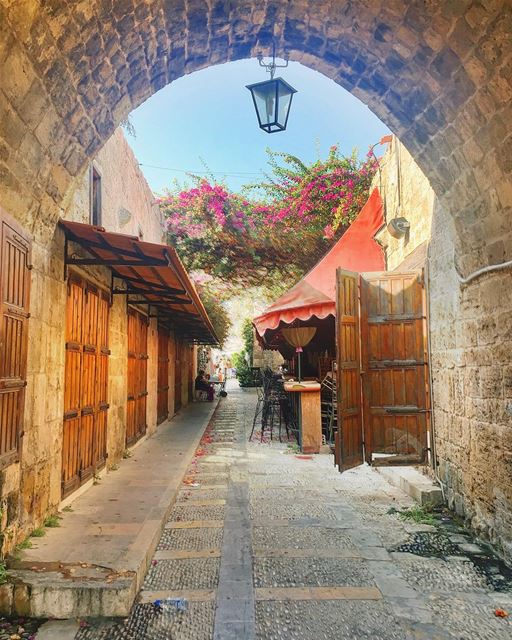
(437, 73)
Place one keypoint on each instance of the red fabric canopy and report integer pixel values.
(315, 294)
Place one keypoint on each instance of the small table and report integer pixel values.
(306, 403)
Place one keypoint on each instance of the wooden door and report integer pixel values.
(349, 439)
(86, 383)
(163, 375)
(14, 302)
(395, 366)
(137, 376)
(178, 374)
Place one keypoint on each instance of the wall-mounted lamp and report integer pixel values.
(398, 227)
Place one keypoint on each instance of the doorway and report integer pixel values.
(382, 369)
(137, 375)
(86, 383)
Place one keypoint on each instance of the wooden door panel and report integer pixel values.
(350, 438)
(86, 446)
(70, 455)
(178, 373)
(100, 436)
(137, 376)
(14, 311)
(86, 383)
(394, 362)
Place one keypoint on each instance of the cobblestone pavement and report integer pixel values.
(265, 545)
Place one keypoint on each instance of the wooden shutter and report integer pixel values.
(349, 441)
(131, 409)
(15, 298)
(72, 386)
(394, 356)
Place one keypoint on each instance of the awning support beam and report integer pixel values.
(149, 262)
(153, 285)
(167, 298)
(155, 303)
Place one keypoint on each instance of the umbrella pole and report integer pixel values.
(298, 363)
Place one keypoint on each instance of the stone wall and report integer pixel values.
(407, 193)
(31, 488)
(472, 388)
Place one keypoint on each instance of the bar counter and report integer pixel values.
(305, 402)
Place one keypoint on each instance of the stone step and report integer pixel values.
(413, 483)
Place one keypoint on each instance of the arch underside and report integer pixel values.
(438, 73)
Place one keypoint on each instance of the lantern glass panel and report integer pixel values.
(265, 99)
(284, 102)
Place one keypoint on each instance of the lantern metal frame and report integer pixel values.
(274, 126)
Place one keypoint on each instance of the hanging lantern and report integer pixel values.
(298, 337)
(272, 98)
(272, 101)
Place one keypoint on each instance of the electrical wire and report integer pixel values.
(236, 174)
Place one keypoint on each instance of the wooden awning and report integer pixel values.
(152, 274)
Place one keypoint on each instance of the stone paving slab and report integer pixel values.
(186, 554)
(306, 572)
(194, 524)
(191, 539)
(300, 538)
(317, 593)
(115, 525)
(190, 573)
(190, 595)
(263, 552)
(329, 620)
(191, 495)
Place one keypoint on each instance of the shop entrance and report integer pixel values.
(137, 375)
(382, 369)
(84, 443)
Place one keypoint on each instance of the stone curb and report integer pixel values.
(413, 483)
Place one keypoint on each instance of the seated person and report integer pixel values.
(202, 384)
(211, 388)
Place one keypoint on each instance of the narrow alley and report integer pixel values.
(265, 543)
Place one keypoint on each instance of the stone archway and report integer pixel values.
(437, 73)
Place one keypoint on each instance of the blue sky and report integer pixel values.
(209, 115)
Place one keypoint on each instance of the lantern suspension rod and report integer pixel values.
(272, 66)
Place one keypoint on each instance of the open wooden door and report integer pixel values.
(163, 375)
(349, 438)
(395, 367)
